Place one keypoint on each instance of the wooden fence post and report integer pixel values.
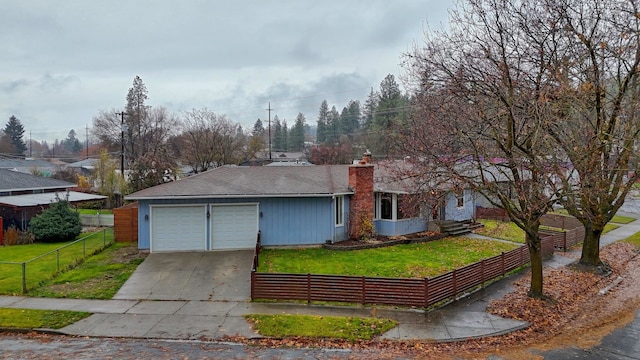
(364, 290)
(502, 262)
(426, 292)
(455, 285)
(308, 288)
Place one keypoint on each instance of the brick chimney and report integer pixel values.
(362, 202)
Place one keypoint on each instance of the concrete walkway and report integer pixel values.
(211, 318)
(195, 319)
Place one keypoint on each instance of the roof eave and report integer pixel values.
(234, 196)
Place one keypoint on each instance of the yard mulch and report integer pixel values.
(384, 241)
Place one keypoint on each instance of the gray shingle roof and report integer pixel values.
(246, 181)
(14, 181)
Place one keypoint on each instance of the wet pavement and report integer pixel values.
(145, 307)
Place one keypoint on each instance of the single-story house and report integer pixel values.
(22, 196)
(224, 208)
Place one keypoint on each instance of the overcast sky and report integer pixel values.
(61, 62)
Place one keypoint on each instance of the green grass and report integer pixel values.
(99, 277)
(94, 211)
(609, 227)
(619, 219)
(34, 319)
(634, 239)
(46, 267)
(501, 230)
(335, 327)
(412, 261)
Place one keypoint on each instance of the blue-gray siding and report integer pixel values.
(400, 227)
(453, 212)
(282, 221)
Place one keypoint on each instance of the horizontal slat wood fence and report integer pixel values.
(388, 291)
(572, 233)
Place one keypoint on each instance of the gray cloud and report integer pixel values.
(62, 61)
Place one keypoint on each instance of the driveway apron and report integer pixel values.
(215, 275)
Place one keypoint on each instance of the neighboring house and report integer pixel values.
(224, 208)
(22, 196)
(28, 166)
(84, 167)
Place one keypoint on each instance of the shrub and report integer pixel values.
(26, 238)
(11, 236)
(57, 223)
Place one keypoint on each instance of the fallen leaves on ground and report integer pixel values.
(573, 306)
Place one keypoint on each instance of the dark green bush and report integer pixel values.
(57, 223)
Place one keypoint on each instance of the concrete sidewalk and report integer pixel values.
(214, 319)
(190, 320)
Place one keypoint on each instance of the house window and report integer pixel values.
(386, 206)
(339, 210)
(460, 198)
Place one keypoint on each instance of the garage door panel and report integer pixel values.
(178, 228)
(234, 226)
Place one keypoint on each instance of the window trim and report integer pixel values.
(460, 201)
(338, 211)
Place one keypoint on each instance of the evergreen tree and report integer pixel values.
(71, 143)
(258, 128)
(15, 131)
(277, 134)
(136, 110)
(351, 123)
(333, 126)
(323, 114)
(370, 106)
(389, 117)
(296, 139)
(285, 136)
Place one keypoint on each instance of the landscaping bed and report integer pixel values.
(384, 241)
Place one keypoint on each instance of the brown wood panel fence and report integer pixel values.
(125, 223)
(388, 291)
(572, 234)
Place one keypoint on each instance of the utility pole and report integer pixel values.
(269, 109)
(86, 139)
(122, 114)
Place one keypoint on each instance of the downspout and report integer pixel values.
(333, 220)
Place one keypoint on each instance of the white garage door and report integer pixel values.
(178, 228)
(234, 226)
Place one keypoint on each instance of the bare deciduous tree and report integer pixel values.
(209, 140)
(477, 122)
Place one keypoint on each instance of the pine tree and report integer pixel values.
(277, 134)
(15, 131)
(258, 128)
(333, 126)
(71, 143)
(296, 139)
(136, 110)
(323, 114)
(285, 135)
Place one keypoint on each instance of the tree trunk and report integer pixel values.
(535, 253)
(591, 246)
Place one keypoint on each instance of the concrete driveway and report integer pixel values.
(217, 275)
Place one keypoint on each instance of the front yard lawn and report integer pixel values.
(46, 267)
(405, 261)
(34, 319)
(511, 232)
(501, 230)
(98, 277)
(335, 327)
